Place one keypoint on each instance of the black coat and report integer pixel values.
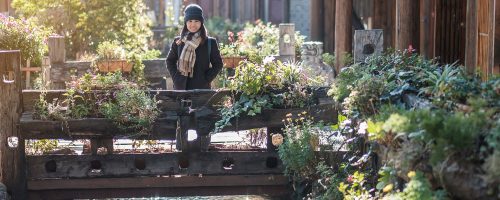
(203, 75)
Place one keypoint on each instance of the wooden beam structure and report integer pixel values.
(11, 143)
(343, 31)
(407, 14)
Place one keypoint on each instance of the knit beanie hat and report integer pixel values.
(193, 12)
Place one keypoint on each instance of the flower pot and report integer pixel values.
(232, 62)
(114, 65)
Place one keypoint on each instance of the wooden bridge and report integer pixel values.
(193, 170)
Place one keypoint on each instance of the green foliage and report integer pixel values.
(86, 24)
(218, 27)
(261, 86)
(418, 188)
(329, 182)
(111, 96)
(355, 188)
(262, 40)
(329, 59)
(297, 151)
(23, 35)
(110, 50)
(131, 109)
(38, 147)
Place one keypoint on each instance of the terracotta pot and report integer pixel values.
(114, 65)
(232, 62)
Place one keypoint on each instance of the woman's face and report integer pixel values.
(193, 26)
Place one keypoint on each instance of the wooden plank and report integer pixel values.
(343, 31)
(496, 69)
(486, 37)
(163, 128)
(11, 162)
(317, 20)
(163, 182)
(471, 40)
(166, 164)
(427, 28)
(407, 14)
(250, 192)
(329, 24)
(384, 16)
(169, 99)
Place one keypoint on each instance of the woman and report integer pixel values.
(189, 58)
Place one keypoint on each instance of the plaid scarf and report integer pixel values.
(188, 55)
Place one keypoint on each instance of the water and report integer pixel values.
(229, 197)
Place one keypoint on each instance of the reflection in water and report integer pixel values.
(231, 197)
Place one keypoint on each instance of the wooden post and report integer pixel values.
(486, 37)
(407, 14)
(384, 18)
(329, 23)
(57, 51)
(480, 37)
(11, 156)
(367, 43)
(496, 69)
(317, 20)
(471, 37)
(287, 42)
(427, 28)
(343, 31)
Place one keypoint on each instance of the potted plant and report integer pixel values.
(231, 53)
(111, 58)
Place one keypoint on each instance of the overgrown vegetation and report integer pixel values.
(127, 104)
(418, 119)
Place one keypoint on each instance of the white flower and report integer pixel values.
(268, 59)
(362, 128)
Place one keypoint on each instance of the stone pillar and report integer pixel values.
(313, 65)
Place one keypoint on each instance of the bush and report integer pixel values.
(85, 24)
(26, 36)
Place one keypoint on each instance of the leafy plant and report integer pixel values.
(110, 50)
(297, 151)
(24, 35)
(260, 86)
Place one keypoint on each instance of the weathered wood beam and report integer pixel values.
(384, 18)
(471, 38)
(163, 182)
(486, 38)
(269, 191)
(167, 164)
(11, 156)
(343, 31)
(480, 39)
(407, 23)
(329, 24)
(428, 28)
(317, 20)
